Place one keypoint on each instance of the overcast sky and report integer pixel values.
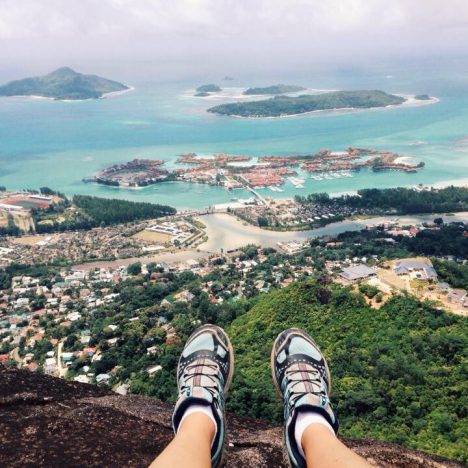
(184, 35)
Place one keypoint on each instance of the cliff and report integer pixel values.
(50, 422)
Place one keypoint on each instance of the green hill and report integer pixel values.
(287, 105)
(63, 83)
(399, 372)
(275, 89)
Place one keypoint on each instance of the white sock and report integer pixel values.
(303, 421)
(205, 409)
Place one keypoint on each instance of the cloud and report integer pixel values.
(147, 29)
(61, 18)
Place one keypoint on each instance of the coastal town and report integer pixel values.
(51, 319)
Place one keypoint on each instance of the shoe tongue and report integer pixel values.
(311, 399)
(201, 393)
(316, 403)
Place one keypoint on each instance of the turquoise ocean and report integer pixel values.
(56, 144)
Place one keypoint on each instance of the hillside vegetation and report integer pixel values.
(288, 105)
(275, 89)
(399, 372)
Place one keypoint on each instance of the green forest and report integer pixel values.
(397, 200)
(275, 89)
(288, 105)
(112, 211)
(399, 372)
(95, 212)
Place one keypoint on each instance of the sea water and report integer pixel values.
(57, 144)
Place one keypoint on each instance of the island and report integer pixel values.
(275, 89)
(279, 106)
(422, 97)
(202, 94)
(208, 88)
(63, 84)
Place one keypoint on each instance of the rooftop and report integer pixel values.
(357, 272)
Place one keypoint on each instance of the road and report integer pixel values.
(62, 370)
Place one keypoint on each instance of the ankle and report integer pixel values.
(308, 424)
(198, 418)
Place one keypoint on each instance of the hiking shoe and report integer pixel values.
(204, 375)
(302, 378)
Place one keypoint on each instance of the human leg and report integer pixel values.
(191, 446)
(204, 375)
(324, 450)
(302, 378)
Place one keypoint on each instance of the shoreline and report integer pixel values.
(47, 98)
(410, 102)
(117, 93)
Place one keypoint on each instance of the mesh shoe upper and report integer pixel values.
(204, 374)
(301, 376)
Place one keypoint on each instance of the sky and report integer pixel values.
(201, 36)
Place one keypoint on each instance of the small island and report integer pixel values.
(275, 89)
(63, 84)
(208, 88)
(422, 97)
(279, 106)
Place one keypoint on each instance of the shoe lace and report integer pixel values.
(303, 382)
(193, 370)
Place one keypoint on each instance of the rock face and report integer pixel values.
(50, 422)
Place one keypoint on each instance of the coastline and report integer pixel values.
(117, 93)
(46, 98)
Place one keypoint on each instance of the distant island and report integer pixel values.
(286, 105)
(422, 97)
(275, 89)
(208, 88)
(63, 84)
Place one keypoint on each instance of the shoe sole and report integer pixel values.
(273, 356)
(219, 330)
